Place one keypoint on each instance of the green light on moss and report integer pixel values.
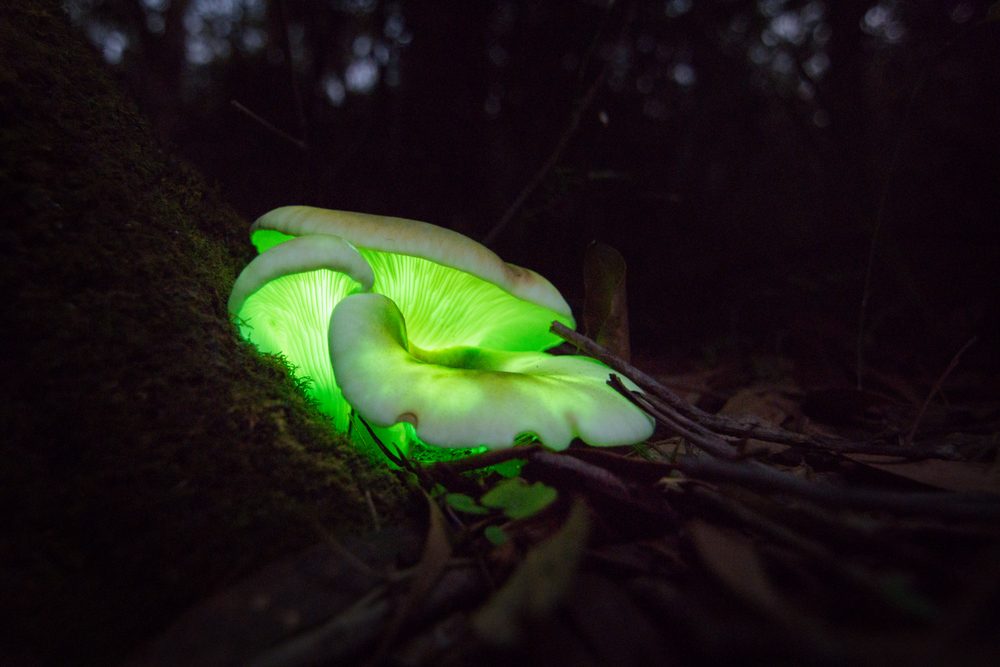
(290, 316)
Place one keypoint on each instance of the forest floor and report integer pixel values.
(779, 515)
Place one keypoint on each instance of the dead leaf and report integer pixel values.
(605, 310)
(733, 559)
(611, 624)
(437, 551)
(962, 476)
(763, 403)
(538, 585)
(325, 587)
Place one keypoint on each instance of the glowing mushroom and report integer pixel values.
(466, 313)
(464, 395)
(283, 300)
(450, 289)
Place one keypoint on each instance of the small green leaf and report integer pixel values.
(508, 469)
(518, 499)
(495, 535)
(464, 503)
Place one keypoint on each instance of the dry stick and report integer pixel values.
(396, 458)
(884, 195)
(708, 442)
(594, 476)
(555, 467)
(286, 47)
(756, 475)
(669, 402)
(935, 389)
(484, 460)
(574, 124)
(540, 175)
(879, 220)
(298, 143)
(719, 424)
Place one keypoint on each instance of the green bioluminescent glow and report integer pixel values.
(463, 394)
(454, 338)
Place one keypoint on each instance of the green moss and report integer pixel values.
(150, 457)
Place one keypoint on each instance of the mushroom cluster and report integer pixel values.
(425, 334)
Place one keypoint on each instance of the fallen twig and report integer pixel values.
(705, 431)
(574, 124)
(479, 461)
(935, 389)
(677, 409)
(563, 467)
(553, 158)
(719, 424)
(298, 143)
(756, 475)
(693, 432)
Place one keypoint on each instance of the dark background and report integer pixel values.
(741, 155)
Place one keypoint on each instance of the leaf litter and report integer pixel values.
(778, 515)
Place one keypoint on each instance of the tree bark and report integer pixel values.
(149, 456)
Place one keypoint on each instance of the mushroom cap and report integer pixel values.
(451, 289)
(283, 300)
(465, 396)
(298, 256)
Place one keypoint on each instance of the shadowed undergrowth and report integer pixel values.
(149, 456)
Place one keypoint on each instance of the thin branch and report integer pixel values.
(484, 460)
(935, 389)
(755, 475)
(298, 143)
(722, 425)
(897, 150)
(564, 466)
(695, 434)
(884, 195)
(286, 48)
(396, 458)
(670, 403)
(543, 171)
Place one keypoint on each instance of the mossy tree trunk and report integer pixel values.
(149, 457)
